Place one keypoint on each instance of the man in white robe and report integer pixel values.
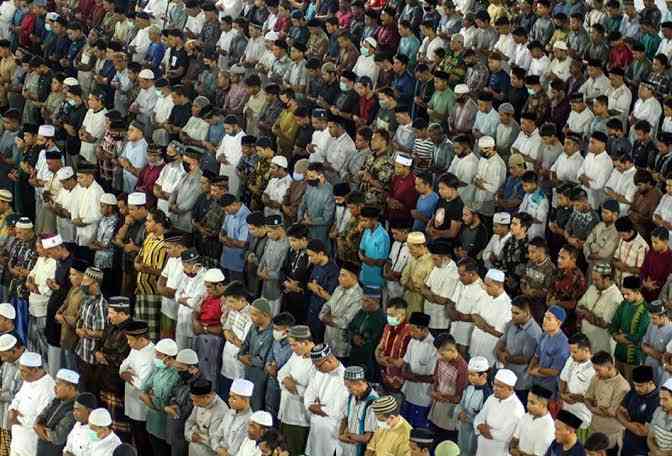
(230, 151)
(489, 178)
(536, 429)
(260, 422)
(87, 212)
(35, 394)
(169, 177)
(64, 204)
(325, 399)
(78, 442)
(105, 441)
(496, 422)
(596, 169)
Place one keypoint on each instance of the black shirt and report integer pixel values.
(447, 212)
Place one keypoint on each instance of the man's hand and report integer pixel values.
(246, 359)
(171, 410)
(316, 409)
(484, 429)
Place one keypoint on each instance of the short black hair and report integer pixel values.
(601, 358)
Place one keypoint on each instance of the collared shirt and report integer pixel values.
(105, 231)
(578, 376)
(93, 317)
(552, 353)
(342, 306)
(486, 122)
(442, 281)
(521, 341)
(235, 227)
(497, 313)
(535, 434)
(136, 153)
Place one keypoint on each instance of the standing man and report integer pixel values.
(318, 206)
(56, 420)
(255, 348)
(359, 421)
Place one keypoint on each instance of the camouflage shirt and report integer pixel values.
(381, 169)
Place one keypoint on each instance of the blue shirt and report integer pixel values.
(556, 449)
(327, 277)
(235, 227)
(375, 245)
(640, 408)
(513, 190)
(405, 86)
(154, 56)
(552, 352)
(486, 123)
(426, 205)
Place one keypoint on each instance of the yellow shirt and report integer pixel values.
(392, 442)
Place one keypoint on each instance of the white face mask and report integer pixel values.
(297, 176)
(278, 335)
(383, 425)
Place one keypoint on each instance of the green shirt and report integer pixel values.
(160, 383)
(631, 320)
(441, 104)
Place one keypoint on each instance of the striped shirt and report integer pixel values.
(153, 255)
(93, 315)
(661, 426)
(423, 152)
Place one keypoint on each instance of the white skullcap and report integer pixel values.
(416, 237)
(404, 160)
(167, 347)
(30, 359)
(667, 385)
(280, 161)
(187, 356)
(242, 387)
(478, 364)
(371, 42)
(461, 89)
(486, 141)
(71, 82)
(560, 45)
(109, 199)
(52, 16)
(51, 242)
(46, 131)
(24, 223)
(263, 418)
(100, 417)
(507, 377)
(7, 342)
(7, 310)
(502, 218)
(271, 36)
(496, 275)
(214, 275)
(137, 199)
(64, 173)
(146, 74)
(68, 375)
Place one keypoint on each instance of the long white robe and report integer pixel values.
(598, 169)
(292, 410)
(31, 399)
(168, 179)
(141, 363)
(502, 417)
(497, 313)
(88, 210)
(106, 446)
(231, 149)
(193, 290)
(78, 442)
(64, 225)
(329, 389)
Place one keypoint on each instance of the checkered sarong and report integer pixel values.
(120, 422)
(5, 442)
(148, 309)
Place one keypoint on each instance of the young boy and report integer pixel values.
(575, 378)
(396, 262)
(472, 401)
(170, 278)
(657, 336)
(536, 430)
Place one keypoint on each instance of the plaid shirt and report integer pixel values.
(93, 314)
(580, 224)
(110, 147)
(513, 259)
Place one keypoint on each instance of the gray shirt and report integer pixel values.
(521, 341)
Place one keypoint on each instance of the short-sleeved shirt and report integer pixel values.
(641, 409)
(447, 212)
(426, 205)
(521, 341)
(376, 245)
(552, 352)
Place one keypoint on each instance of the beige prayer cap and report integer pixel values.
(516, 160)
(416, 237)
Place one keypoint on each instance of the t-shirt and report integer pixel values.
(446, 212)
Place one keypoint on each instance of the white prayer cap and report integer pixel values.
(486, 141)
(667, 385)
(242, 387)
(7, 310)
(137, 199)
(416, 237)
(496, 275)
(507, 377)
(214, 275)
(167, 347)
(280, 161)
(502, 218)
(478, 364)
(71, 82)
(371, 42)
(100, 417)
(24, 223)
(52, 16)
(146, 74)
(404, 160)
(109, 199)
(30, 359)
(46, 131)
(271, 36)
(263, 418)
(64, 173)
(7, 342)
(187, 356)
(6, 196)
(461, 89)
(68, 375)
(560, 45)
(51, 242)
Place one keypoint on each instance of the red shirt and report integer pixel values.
(387, 37)
(620, 57)
(657, 266)
(367, 108)
(394, 343)
(146, 180)
(403, 190)
(211, 311)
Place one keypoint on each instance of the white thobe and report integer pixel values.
(598, 169)
(64, 225)
(192, 289)
(168, 179)
(578, 377)
(249, 448)
(421, 357)
(7, 10)
(398, 258)
(329, 390)
(275, 190)
(140, 363)
(157, 8)
(566, 169)
(649, 110)
(579, 122)
(427, 48)
(497, 313)
(502, 416)
(163, 108)
(560, 68)
(536, 204)
(231, 149)
(141, 43)
(322, 140)
(106, 446)
(173, 272)
(624, 185)
(442, 282)
(492, 171)
(620, 99)
(229, 8)
(522, 58)
(194, 24)
(31, 399)
(93, 124)
(238, 321)
(538, 66)
(366, 66)
(466, 299)
(78, 442)
(494, 246)
(146, 102)
(254, 50)
(506, 46)
(535, 434)
(292, 411)
(528, 145)
(88, 210)
(43, 270)
(594, 87)
(464, 168)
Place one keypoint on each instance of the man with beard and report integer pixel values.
(57, 420)
(129, 238)
(169, 176)
(112, 349)
(180, 403)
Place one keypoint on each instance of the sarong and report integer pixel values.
(148, 309)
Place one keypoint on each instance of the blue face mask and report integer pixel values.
(159, 364)
(297, 176)
(393, 321)
(92, 435)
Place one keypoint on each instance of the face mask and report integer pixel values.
(383, 424)
(72, 102)
(93, 435)
(47, 27)
(530, 91)
(185, 376)
(159, 364)
(278, 335)
(364, 51)
(393, 321)
(313, 182)
(297, 176)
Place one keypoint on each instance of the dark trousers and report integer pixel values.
(141, 437)
(159, 446)
(179, 448)
(223, 387)
(87, 377)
